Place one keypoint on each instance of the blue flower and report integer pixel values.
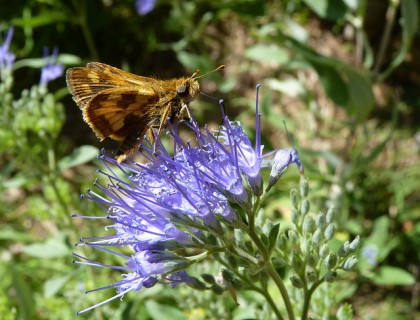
(182, 199)
(7, 57)
(144, 6)
(51, 70)
(370, 252)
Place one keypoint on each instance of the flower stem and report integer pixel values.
(279, 282)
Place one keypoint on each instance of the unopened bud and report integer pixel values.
(296, 282)
(317, 237)
(304, 186)
(324, 251)
(294, 198)
(330, 261)
(217, 289)
(330, 276)
(208, 278)
(350, 263)
(344, 249)
(304, 208)
(320, 221)
(194, 283)
(295, 216)
(278, 263)
(330, 215)
(354, 244)
(311, 276)
(293, 236)
(329, 232)
(308, 225)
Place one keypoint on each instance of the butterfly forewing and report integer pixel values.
(118, 112)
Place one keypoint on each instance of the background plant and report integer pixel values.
(342, 74)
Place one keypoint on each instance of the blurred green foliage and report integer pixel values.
(344, 75)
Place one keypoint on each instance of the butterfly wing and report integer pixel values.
(119, 112)
(86, 82)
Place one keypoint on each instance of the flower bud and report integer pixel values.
(312, 276)
(329, 232)
(194, 283)
(278, 263)
(304, 208)
(317, 238)
(304, 186)
(295, 216)
(344, 249)
(330, 276)
(209, 278)
(293, 236)
(294, 198)
(217, 289)
(297, 262)
(350, 263)
(296, 282)
(324, 251)
(320, 221)
(227, 275)
(354, 244)
(282, 159)
(330, 261)
(312, 259)
(330, 215)
(308, 225)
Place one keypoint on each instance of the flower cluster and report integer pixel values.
(182, 200)
(51, 70)
(7, 57)
(143, 7)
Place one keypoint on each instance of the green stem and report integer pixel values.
(386, 35)
(279, 282)
(85, 29)
(307, 299)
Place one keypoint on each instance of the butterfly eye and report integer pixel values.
(182, 90)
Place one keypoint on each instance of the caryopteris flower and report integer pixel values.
(7, 57)
(51, 69)
(143, 7)
(186, 199)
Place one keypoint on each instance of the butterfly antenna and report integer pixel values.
(194, 75)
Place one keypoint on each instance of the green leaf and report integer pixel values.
(38, 63)
(272, 237)
(333, 83)
(52, 286)
(194, 61)
(360, 93)
(45, 18)
(80, 155)
(410, 25)
(52, 248)
(163, 312)
(328, 9)
(23, 293)
(268, 54)
(393, 276)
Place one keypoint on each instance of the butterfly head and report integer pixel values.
(188, 89)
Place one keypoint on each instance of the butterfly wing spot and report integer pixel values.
(116, 113)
